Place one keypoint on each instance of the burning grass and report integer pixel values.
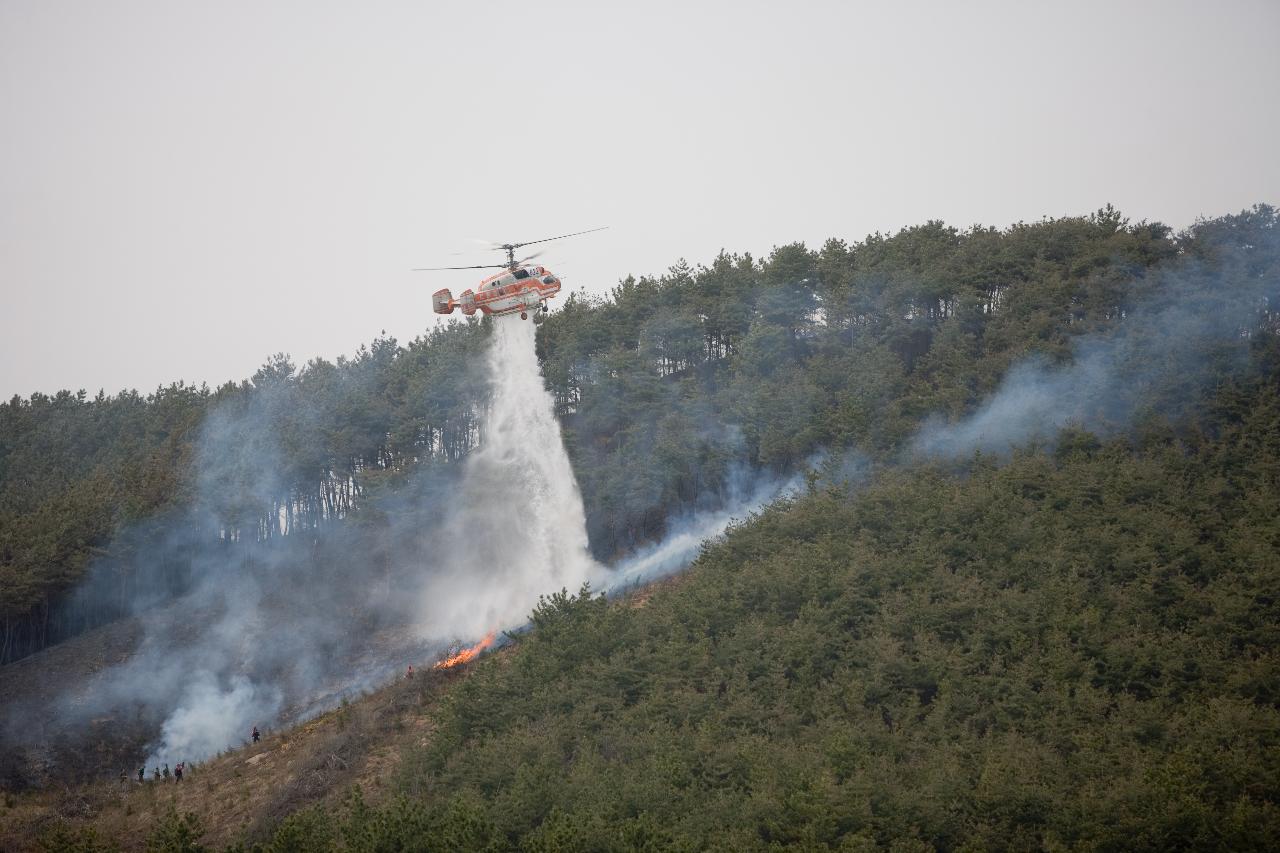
(469, 654)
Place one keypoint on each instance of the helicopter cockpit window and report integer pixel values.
(548, 279)
(521, 273)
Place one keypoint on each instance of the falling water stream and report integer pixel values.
(517, 528)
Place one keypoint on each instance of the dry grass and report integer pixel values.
(243, 793)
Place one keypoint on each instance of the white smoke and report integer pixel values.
(517, 528)
(685, 537)
(1036, 400)
(514, 530)
(211, 718)
(1192, 329)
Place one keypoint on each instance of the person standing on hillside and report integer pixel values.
(255, 734)
(166, 771)
(142, 774)
(177, 772)
(156, 774)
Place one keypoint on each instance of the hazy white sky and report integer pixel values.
(188, 187)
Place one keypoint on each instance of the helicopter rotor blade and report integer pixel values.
(505, 247)
(477, 267)
(549, 239)
(482, 246)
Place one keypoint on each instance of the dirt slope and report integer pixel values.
(243, 793)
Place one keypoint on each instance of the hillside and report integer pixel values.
(62, 732)
(247, 790)
(1025, 598)
(1074, 649)
(1071, 650)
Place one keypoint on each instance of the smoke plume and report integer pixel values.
(467, 556)
(687, 535)
(1189, 328)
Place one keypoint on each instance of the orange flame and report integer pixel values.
(467, 655)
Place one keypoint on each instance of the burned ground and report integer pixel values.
(57, 729)
(244, 793)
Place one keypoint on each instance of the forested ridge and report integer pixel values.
(1066, 644)
(1069, 650)
(666, 388)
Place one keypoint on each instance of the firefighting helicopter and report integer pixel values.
(520, 286)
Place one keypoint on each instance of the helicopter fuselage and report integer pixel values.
(514, 289)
